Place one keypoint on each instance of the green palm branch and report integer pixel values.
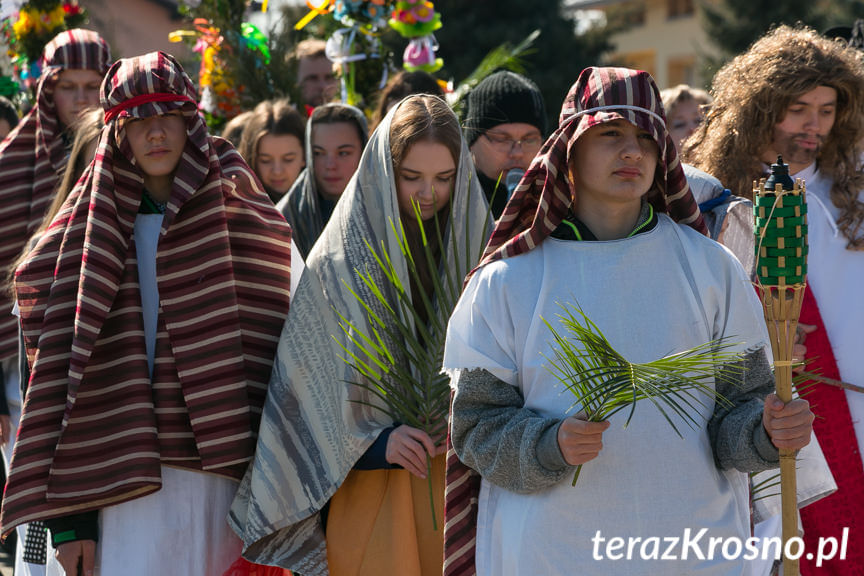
(766, 487)
(503, 56)
(604, 382)
(398, 360)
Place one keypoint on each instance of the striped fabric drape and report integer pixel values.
(32, 158)
(539, 203)
(96, 429)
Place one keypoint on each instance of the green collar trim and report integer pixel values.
(646, 222)
(571, 228)
(150, 206)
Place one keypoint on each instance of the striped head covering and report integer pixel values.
(32, 158)
(538, 205)
(542, 199)
(96, 427)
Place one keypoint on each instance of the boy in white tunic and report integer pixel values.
(593, 222)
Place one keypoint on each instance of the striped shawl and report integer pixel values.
(32, 158)
(538, 205)
(95, 428)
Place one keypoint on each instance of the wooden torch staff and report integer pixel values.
(782, 308)
(781, 262)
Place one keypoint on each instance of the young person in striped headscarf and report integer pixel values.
(32, 161)
(33, 156)
(30, 556)
(150, 308)
(601, 220)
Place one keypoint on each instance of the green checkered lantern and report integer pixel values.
(781, 229)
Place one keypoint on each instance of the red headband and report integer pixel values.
(112, 113)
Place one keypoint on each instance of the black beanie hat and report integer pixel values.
(853, 35)
(503, 98)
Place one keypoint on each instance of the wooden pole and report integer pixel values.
(782, 307)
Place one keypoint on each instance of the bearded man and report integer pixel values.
(799, 95)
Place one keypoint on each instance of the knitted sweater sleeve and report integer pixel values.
(508, 444)
(737, 436)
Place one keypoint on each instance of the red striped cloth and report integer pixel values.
(32, 158)
(95, 430)
(538, 205)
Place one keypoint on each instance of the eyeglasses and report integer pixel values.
(504, 144)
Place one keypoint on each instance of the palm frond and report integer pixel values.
(765, 488)
(604, 382)
(804, 381)
(398, 357)
(502, 56)
(761, 489)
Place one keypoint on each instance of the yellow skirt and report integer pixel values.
(380, 524)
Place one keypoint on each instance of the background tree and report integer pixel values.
(472, 29)
(733, 25)
(239, 65)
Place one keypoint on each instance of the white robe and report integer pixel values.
(836, 277)
(659, 292)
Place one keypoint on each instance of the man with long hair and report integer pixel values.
(799, 95)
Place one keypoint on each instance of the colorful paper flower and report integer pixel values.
(425, 12)
(415, 18)
(36, 24)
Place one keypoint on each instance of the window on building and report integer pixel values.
(682, 71)
(679, 8)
